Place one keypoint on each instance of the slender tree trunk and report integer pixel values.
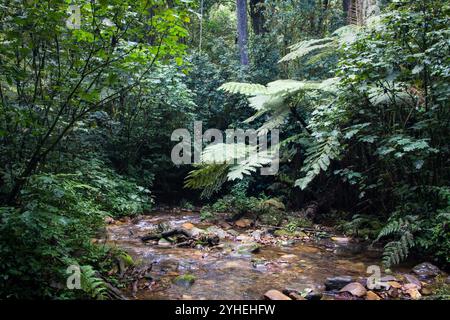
(346, 8)
(241, 9)
(257, 16)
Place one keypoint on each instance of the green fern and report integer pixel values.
(209, 177)
(219, 164)
(94, 286)
(397, 250)
(318, 158)
(321, 47)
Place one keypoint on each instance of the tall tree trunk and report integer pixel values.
(241, 9)
(257, 16)
(346, 8)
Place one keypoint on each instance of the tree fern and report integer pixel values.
(329, 45)
(222, 162)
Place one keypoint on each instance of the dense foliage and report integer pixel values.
(87, 113)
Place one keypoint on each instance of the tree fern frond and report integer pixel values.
(249, 165)
(209, 177)
(304, 48)
(249, 89)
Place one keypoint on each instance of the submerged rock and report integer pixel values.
(336, 283)
(275, 295)
(426, 270)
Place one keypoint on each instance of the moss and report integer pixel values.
(185, 280)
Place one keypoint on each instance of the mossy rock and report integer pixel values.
(185, 280)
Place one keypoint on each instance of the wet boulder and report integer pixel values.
(247, 248)
(426, 270)
(185, 280)
(355, 288)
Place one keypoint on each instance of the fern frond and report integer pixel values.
(249, 89)
(91, 284)
(209, 177)
(318, 159)
(397, 251)
(249, 165)
(306, 47)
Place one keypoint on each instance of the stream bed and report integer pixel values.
(227, 272)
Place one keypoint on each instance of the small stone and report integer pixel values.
(248, 248)
(243, 238)
(275, 295)
(372, 296)
(336, 283)
(414, 293)
(222, 234)
(393, 292)
(341, 240)
(355, 288)
(412, 279)
(243, 223)
(426, 291)
(314, 295)
(394, 284)
(164, 243)
(288, 257)
(426, 270)
(388, 278)
(295, 296)
(257, 234)
(187, 226)
(409, 286)
(109, 220)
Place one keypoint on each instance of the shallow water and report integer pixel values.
(221, 273)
